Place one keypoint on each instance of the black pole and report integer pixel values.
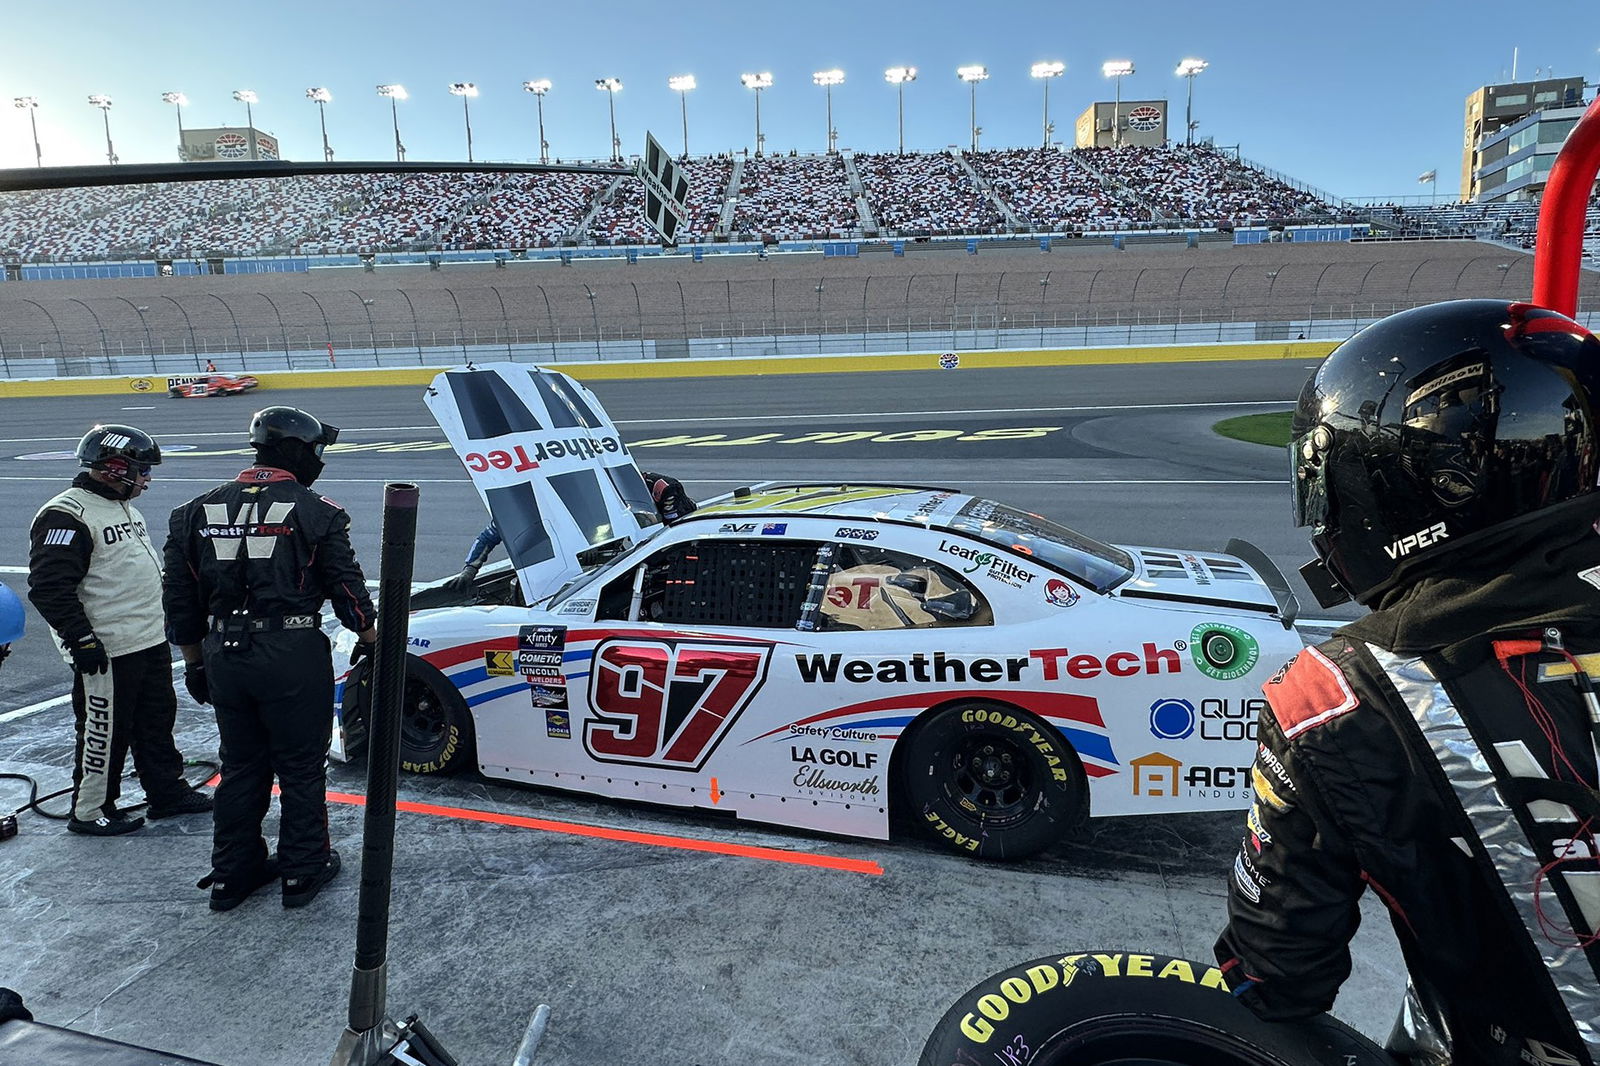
(368, 981)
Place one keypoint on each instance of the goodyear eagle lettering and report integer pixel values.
(995, 1006)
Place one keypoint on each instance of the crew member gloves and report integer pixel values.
(89, 655)
(194, 679)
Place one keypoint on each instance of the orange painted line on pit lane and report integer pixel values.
(658, 840)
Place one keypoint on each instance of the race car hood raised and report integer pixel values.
(549, 464)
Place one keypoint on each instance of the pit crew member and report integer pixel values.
(1442, 749)
(249, 566)
(672, 504)
(95, 578)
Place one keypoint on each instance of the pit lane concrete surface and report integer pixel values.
(647, 953)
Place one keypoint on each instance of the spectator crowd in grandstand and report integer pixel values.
(780, 197)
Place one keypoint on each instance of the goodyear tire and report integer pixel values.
(1092, 1008)
(436, 735)
(992, 781)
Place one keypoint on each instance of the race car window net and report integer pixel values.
(1100, 566)
(870, 588)
(759, 584)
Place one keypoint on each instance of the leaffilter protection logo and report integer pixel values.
(1223, 652)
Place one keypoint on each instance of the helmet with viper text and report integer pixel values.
(1437, 425)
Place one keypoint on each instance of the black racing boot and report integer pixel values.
(188, 802)
(113, 824)
(228, 892)
(299, 891)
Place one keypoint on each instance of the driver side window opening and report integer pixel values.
(870, 588)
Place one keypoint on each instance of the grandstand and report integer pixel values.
(772, 198)
(895, 283)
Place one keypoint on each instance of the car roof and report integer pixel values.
(921, 504)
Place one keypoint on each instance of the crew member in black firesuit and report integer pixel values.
(96, 579)
(672, 504)
(1441, 750)
(249, 565)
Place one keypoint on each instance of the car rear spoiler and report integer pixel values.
(1271, 576)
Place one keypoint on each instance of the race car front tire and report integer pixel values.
(1102, 1007)
(436, 734)
(992, 781)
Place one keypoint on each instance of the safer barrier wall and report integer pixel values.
(708, 367)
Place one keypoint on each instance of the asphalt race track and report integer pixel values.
(647, 953)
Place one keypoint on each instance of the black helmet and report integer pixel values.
(273, 424)
(121, 451)
(1435, 425)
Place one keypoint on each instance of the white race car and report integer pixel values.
(816, 655)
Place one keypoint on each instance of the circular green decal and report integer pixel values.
(1223, 652)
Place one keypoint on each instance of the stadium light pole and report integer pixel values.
(395, 92)
(898, 76)
(972, 75)
(30, 104)
(247, 97)
(681, 84)
(1118, 69)
(828, 79)
(177, 100)
(757, 82)
(321, 97)
(466, 90)
(538, 89)
(1044, 72)
(1190, 68)
(612, 86)
(103, 102)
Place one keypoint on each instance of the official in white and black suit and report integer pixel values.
(95, 578)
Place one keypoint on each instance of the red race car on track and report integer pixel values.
(210, 385)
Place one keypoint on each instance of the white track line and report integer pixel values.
(769, 418)
(960, 411)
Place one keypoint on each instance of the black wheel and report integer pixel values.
(436, 735)
(1129, 1009)
(992, 781)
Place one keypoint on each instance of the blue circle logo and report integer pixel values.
(1172, 719)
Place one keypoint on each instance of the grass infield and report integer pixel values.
(1269, 429)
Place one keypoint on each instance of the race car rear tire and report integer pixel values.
(436, 734)
(1119, 1007)
(991, 781)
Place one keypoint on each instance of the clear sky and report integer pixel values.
(1357, 97)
